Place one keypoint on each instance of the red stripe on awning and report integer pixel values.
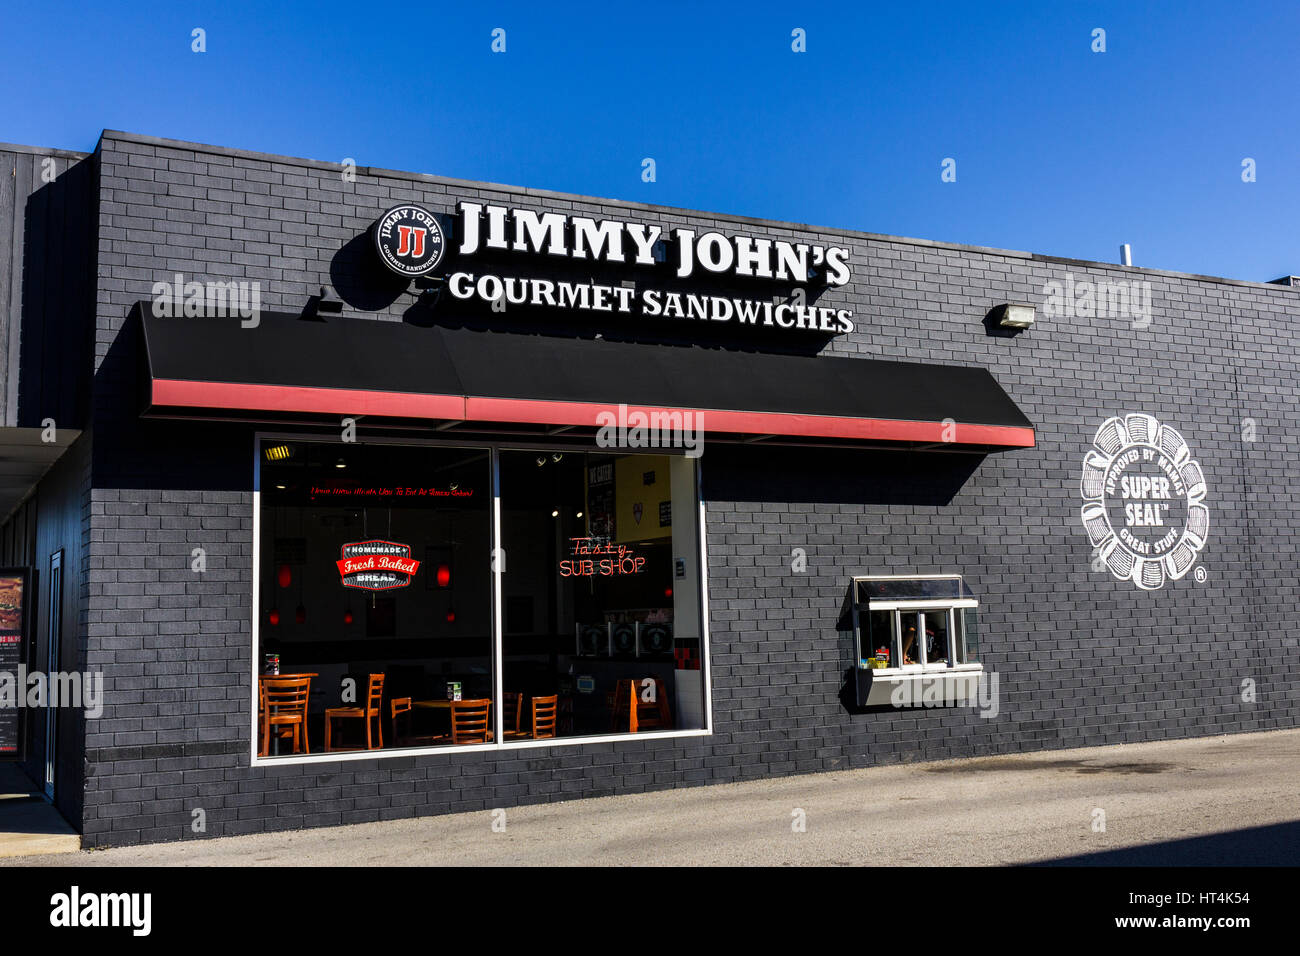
(754, 423)
(338, 401)
(297, 398)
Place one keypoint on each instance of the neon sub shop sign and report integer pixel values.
(592, 558)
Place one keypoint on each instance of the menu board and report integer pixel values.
(13, 587)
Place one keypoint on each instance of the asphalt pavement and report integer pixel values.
(1211, 800)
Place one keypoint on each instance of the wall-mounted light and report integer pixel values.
(1015, 315)
(555, 513)
(577, 514)
(340, 463)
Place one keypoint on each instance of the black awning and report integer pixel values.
(290, 365)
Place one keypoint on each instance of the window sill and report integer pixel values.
(943, 683)
(342, 756)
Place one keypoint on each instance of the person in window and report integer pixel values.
(909, 640)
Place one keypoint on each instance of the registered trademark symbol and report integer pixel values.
(1200, 573)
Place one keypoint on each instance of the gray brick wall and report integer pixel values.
(1083, 659)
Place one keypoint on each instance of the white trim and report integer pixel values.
(907, 577)
(706, 661)
(927, 670)
(257, 577)
(387, 752)
(497, 611)
(919, 605)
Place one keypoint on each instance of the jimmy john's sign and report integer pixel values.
(410, 242)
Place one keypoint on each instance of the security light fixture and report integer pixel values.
(1015, 315)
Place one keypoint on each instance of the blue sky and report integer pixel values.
(1058, 149)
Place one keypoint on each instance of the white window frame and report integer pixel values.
(903, 605)
(494, 447)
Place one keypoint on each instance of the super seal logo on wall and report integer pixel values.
(377, 565)
(410, 240)
(1144, 502)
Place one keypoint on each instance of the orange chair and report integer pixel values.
(544, 716)
(640, 714)
(512, 709)
(370, 713)
(284, 707)
(471, 721)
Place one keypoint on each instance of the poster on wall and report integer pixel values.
(13, 647)
(643, 492)
(600, 500)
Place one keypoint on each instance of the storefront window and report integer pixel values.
(602, 605)
(377, 611)
(374, 594)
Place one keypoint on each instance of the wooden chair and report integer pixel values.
(640, 714)
(400, 707)
(471, 721)
(512, 710)
(284, 708)
(544, 716)
(371, 713)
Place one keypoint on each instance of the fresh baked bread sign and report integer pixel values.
(377, 565)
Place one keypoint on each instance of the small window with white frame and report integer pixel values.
(909, 624)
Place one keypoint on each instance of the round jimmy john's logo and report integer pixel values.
(409, 240)
(1144, 502)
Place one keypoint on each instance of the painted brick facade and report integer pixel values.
(1083, 659)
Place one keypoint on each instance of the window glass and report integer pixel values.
(601, 590)
(909, 622)
(375, 596)
(881, 647)
(970, 637)
(936, 636)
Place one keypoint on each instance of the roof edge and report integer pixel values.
(145, 140)
(44, 151)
